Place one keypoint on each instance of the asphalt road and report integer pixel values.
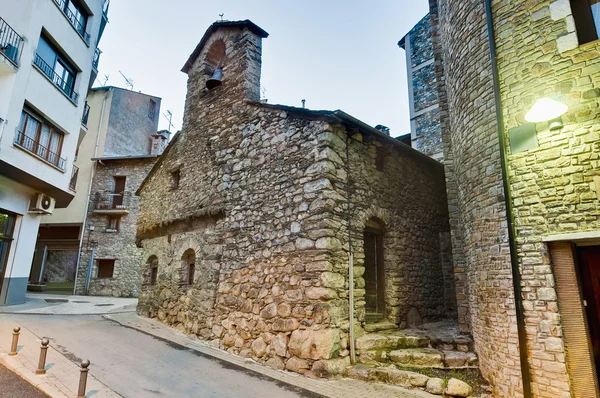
(12, 386)
(134, 364)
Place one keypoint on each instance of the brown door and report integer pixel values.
(589, 261)
(374, 294)
(119, 191)
(7, 224)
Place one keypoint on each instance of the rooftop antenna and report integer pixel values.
(303, 103)
(128, 82)
(169, 117)
(221, 15)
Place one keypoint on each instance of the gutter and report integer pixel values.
(89, 195)
(514, 260)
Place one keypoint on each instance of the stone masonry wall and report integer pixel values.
(552, 185)
(120, 245)
(261, 202)
(425, 122)
(475, 191)
(408, 195)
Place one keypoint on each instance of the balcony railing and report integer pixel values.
(79, 27)
(73, 181)
(56, 79)
(11, 44)
(111, 201)
(40, 150)
(96, 59)
(86, 114)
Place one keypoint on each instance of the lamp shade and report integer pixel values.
(545, 109)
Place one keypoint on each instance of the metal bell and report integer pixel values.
(215, 80)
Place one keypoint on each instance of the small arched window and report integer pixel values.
(188, 267)
(152, 269)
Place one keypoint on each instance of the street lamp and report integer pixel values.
(547, 110)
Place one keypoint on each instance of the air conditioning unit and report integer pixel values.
(43, 204)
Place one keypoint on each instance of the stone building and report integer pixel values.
(254, 214)
(422, 90)
(119, 145)
(524, 197)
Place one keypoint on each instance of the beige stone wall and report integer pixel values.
(475, 193)
(552, 185)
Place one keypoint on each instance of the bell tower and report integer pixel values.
(226, 65)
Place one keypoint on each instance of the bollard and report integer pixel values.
(83, 378)
(41, 370)
(15, 341)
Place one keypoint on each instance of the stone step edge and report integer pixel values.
(408, 379)
(410, 341)
(387, 359)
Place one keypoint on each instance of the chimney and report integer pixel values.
(383, 129)
(159, 142)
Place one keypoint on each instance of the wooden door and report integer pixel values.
(374, 287)
(119, 191)
(589, 262)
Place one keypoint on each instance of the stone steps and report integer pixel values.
(417, 351)
(408, 379)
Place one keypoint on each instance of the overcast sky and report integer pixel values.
(336, 54)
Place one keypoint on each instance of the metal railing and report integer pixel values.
(73, 181)
(111, 201)
(96, 59)
(40, 150)
(11, 43)
(56, 79)
(79, 27)
(86, 114)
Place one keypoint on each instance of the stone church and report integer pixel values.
(255, 213)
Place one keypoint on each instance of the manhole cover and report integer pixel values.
(56, 300)
(103, 305)
(80, 302)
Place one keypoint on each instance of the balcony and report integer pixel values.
(73, 181)
(38, 150)
(86, 115)
(111, 203)
(58, 81)
(96, 59)
(104, 18)
(11, 43)
(72, 18)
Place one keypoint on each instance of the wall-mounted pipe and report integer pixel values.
(350, 259)
(516, 273)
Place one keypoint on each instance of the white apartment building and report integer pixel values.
(48, 61)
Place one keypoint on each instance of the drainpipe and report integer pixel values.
(350, 261)
(89, 195)
(520, 312)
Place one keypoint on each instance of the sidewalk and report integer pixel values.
(62, 375)
(345, 388)
(53, 304)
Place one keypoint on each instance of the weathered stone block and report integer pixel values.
(419, 357)
(458, 388)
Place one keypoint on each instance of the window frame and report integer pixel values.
(585, 27)
(53, 134)
(110, 261)
(117, 223)
(151, 109)
(175, 178)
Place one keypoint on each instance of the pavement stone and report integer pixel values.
(344, 388)
(15, 386)
(62, 375)
(53, 304)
